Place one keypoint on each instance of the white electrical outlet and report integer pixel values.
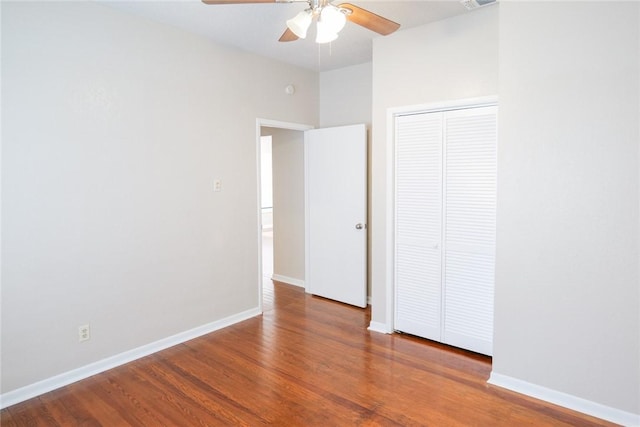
(84, 333)
(217, 185)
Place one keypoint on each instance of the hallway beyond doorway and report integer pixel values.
(267, 269)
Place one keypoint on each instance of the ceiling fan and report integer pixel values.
(330, 19)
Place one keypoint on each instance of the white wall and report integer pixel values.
(113, 131)
(266, 173)
(567, 273)
(288, 204)
(567, 284)
(451, 59)
(345, 96)
(266, 184)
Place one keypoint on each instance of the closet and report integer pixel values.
(445, 215)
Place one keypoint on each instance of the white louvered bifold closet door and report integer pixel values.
(469, 228)
(418, 218)
(445, 204)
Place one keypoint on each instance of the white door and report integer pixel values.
(469, 227)
(336, 179)
(418, 217)
(445, 214)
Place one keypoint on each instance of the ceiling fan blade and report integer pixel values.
(250, 1)
(238, 1)
(288, 36)
(370, 20)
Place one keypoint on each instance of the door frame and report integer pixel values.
(389, 325)
(260, 123)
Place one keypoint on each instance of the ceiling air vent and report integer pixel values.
(474, 4)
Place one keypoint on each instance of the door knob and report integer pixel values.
(359, 226)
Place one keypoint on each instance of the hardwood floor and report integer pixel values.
(306, 362)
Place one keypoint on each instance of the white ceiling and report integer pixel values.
(257, 27)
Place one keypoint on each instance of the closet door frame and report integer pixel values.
(392, 113)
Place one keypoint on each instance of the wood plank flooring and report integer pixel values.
(306, 362)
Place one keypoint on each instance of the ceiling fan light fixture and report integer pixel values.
(300, 23)
(333, 17)
(325, 33)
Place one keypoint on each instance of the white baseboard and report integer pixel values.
(61, 380)
(288, 280)
(382, 328)
(565, 400)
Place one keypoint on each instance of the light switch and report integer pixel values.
(217, 185)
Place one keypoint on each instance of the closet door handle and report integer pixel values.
(360, 226)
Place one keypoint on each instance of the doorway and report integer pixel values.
(281, 199)
(444, 204)
(319, 191)
(266, 216)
